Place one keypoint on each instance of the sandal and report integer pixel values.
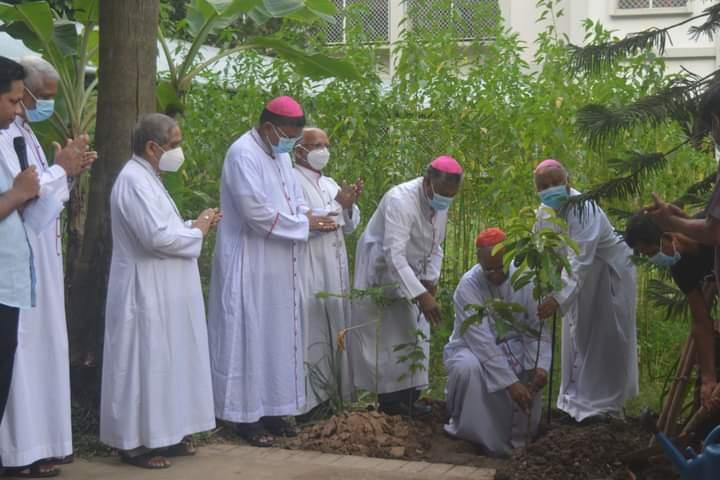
(35, 470)
(182, 449)
(66, 460)
(150, 460)
(279, 427)
(255, 434)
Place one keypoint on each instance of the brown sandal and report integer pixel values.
(146, 460)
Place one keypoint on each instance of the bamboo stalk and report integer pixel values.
(666, 416)
(682, 383)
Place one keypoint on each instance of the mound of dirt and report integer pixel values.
(563, 452)
(374, 434)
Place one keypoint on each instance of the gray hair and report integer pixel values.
(153, 127)
(38, 71)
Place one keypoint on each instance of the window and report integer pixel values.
(373, 16)
(469, 19)
(629, 4)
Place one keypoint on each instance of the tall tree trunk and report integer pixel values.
(128, 55)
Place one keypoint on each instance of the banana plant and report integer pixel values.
(209, 17)
(72, 48)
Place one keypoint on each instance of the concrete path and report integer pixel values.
(220, 462)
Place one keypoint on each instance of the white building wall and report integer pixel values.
(699, 56)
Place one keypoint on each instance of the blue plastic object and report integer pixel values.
(705, 466)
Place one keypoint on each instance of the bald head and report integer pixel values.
(550, 176)
(312, 139)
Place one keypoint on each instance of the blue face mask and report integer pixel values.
(43, 110)
(555, 197)
(439, 202)
(285, 144)
(665, 261)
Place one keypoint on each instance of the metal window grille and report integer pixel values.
(627, 4)
(468, 19)
(372, 16)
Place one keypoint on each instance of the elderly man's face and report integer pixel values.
(313, 139)
(153, 151)
(492, 265)
(549, 177)
(47, 91)
(10, 104)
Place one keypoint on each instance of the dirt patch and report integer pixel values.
(563, 452)
(373, 434)
(586, 453)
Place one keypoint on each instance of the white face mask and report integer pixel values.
(318, 159)
(171, 160)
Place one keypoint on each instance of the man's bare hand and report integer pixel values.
(322, 223)
(521, 395)
(548, 308)
(430, 308)
(662, 212)
(346, 196)
(710, 396)
(26, 184)
(75, 157)
(539, 380)
(430, 287)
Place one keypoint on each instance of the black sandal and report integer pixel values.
(255, 434)
(146, 460)
(182, 449)
(35, 470)
(279, 427)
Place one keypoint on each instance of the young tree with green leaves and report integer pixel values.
(500, 353)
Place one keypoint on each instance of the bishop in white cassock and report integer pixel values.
(36, 425)
(156, 386)
(401, 252)
(493, 381)
(598, 304)
(256, 311)
(325, 270)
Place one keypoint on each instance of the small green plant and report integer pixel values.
(379, 296)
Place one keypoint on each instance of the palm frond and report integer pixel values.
(668, 297)
(594, 58)
(709, 26)
(602, 124)
(635, 169)
(697, 193)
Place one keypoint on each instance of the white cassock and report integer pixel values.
(255, 316)
(400, 247)
(598, 304)
(156, 386)
(36, 424)
(481, 366)
(325, 270)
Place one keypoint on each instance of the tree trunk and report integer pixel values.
(128, 44)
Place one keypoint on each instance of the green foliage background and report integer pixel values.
(478, 101)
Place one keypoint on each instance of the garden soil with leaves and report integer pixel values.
(562, 453)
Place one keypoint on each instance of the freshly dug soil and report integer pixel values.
(563, 452)
(592, 452)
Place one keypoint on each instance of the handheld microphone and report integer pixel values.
(21, 151)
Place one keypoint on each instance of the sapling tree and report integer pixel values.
(538, 246)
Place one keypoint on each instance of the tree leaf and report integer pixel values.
(316, 66)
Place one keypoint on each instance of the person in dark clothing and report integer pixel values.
(691, 264)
